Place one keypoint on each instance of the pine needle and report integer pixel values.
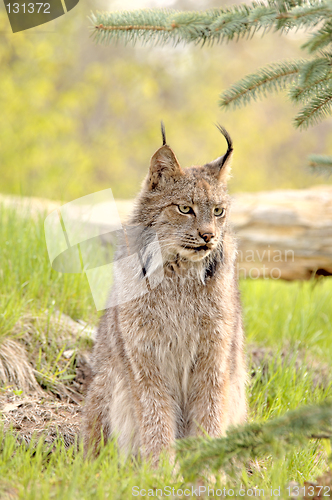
(314, 77)
(255, 440)
(270, 78)
(320, 39)
(316, 109)
(322, 163)
(309, 82)
(164, 25)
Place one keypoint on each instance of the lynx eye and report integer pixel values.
(219, 211)
(184, 209)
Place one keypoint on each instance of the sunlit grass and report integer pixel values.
(28, 283)
(39, 472)
(298, 314)
(279, 315)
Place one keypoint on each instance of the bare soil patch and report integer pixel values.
(37, 416)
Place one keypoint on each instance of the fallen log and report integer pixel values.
(284, 234)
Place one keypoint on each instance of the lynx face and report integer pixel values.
(192, 224)
(188, 208)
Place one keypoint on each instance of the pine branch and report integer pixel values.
(312, 78)
(254, 440)
(315, 76)
(316, 109)
(320, 39)
(162, 25)
(316, 69)
(304, 94)
(230, 24)
(159, 25)
(271, 78)
(321, 163)
(303, 16)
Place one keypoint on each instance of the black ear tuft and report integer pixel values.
(229, 143)
(164, 166)
(220, 168)
(163, 133)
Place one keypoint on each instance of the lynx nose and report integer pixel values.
(207, 237)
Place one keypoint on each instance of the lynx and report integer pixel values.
(169, 363)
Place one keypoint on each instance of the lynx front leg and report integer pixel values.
(156, 409)
(96, 421)
(208, 395)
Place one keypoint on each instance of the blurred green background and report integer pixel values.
(76, 117)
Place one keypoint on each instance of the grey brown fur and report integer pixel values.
(170, 363)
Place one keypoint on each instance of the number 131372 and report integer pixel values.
(28, 8)
(309, 491)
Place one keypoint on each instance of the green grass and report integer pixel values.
(295, 313)
(34, 473)
(296, 317)
(30, 289)
(28, 283)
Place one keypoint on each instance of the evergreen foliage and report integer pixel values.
(309, 81)
(255, 440)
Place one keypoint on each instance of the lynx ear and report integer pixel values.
(164, 165)
(220, 168)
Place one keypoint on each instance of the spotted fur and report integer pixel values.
(170, 363)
